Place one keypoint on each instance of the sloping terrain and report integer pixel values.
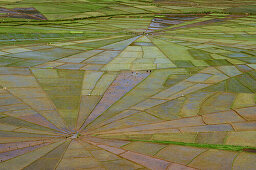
(127, 85)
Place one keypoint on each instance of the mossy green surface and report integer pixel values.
(209, 146)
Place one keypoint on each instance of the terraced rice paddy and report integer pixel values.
(104, 84)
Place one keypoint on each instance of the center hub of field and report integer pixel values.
(74, 136)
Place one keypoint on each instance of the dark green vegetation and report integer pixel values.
(209, 146)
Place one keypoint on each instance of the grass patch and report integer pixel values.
(210, 146)
(242, 10)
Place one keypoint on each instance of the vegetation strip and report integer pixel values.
(210, 146)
